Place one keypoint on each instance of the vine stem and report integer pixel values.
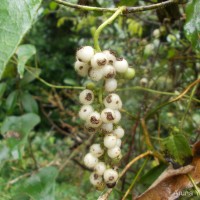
(102, 26)
(51, 85)
(126, 11)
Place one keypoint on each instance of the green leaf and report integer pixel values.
(22, 126)
(152, 175)
(192, 26)
(16, 18)
(29, 103)
(12, 100)
(24, 52)
(2, 89)
(29, 77)
(41, 186)
(177, 148)
(70, 81)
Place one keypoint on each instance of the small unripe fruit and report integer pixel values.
(113, 101)
(111, 57)
(90, 85)
(85, 111)
(81, 68)
(95, 74)
(100, 186)
(108, 115)
(95, 179)
(117, 116)
(86, 97)
(100, 168)
(110, 85)
(119, 132)
(107, 127)
(98, 60)
(121, 65)
(114, 152)
(109, 71)
(110, 141)
(94, 119)
(84, 54)
(129, 74)
(90, 161)
(96, 150)
(110, 176)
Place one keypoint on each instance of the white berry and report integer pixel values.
(95, 179)
(110, 176)
(109, 71)
(117, 117)
(143, 82)
(85, 111)
(114, 152)
(96, 150)
(119, 142)
(100, 168)
(110, 141)
(95, 74)
(107, 127)
(110, 56)
(86, 97)
(90, 161)
(119, 132)
(98, 60)
(110, 85)
(81, 68)
(113, 101)
(108, 115)
(84, 54)
(94, 119)
(121, 65)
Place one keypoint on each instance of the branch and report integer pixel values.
(126, 11)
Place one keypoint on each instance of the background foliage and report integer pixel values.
(42, 139)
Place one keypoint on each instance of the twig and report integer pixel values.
(146, 135)
(148, 142)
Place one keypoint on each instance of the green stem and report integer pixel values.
(155, 92)
(188, 106)
(194, 184)
(102, 26)
(54, 86)
(135, 179)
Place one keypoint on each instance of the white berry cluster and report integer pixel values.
(105, 121)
